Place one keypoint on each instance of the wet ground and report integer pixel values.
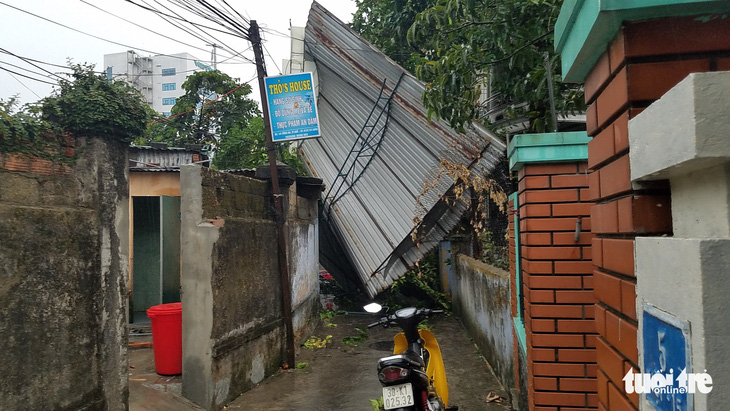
(340, 376)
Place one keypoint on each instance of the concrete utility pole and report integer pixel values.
(213, 58)
(255, 38)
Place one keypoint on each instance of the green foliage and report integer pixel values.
(314, 342)
(246, 148)
(329, 314)
(89, 105)
(469, 44)
(492, 252)
(385, 24)
(377, 404)
(301, 365)
(231, 125)
(362, 336)
(23, 131)
(459, 47)
(418, 288)
(197, 120)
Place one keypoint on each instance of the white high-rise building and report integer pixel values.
(159, 78)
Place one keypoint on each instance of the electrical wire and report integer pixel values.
(217, 16)
(163, 15)
(271, 58)
(275, 32)
(28, 70)
(197, 25)
(245, 20)
(28, 77)
(23, 84)
(143, 27)
(31, 63)
(38, 61)
(91, 35)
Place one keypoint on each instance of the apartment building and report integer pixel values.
(159, 78)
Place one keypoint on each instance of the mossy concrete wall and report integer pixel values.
(233, 327)
(63, 275)
(481, 300)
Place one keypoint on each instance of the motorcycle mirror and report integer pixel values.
(373, 308)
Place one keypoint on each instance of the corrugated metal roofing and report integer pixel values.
(146, 158)
(375, 218)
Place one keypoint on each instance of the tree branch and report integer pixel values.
(532, 42)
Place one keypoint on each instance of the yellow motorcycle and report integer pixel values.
(413, 378)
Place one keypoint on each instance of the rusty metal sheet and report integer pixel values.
(375, 218)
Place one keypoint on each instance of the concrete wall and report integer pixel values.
(233, 327)
(64, 272)
(481, 300)
(303, 257)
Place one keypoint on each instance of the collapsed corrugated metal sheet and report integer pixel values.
(374, 219)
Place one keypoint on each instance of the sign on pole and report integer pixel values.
(292, 107)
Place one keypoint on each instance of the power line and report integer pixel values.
(272, 59)
(91, 35)
(31, 63)
(275, 32)
(28, 77)
(177, 16)
(197, 25)
(95, 72)
(23, 84)
(23, 68)
(247, 21)
(143, 27)
(37, 61)
(234, 27)
(164, 16)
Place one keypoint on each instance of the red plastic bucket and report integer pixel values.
(167, 337)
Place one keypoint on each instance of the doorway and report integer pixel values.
(156, 253)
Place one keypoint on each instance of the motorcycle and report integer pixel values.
(414, 377)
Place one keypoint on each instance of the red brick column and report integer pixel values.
(644, 60)
(557, 286)
(512, 256)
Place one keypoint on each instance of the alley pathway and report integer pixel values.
(343, 377)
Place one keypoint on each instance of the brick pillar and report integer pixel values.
(556, 281)
(628, 58)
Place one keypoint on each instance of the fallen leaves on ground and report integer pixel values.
(494, 397)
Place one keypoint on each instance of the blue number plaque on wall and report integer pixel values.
(666, 352)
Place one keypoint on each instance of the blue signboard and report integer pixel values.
(666, 352)
(292, 108)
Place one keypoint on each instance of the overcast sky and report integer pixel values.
(33, 37)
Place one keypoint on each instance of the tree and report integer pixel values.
(469, 44)
(246, 149)
(216, 111)
(459, 47)
(90, 105)
(385, 25)
(21, 129)
(214, 105)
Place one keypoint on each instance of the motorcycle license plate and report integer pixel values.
(396, 396)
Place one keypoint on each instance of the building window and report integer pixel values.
(168, 101)
(168, 86)
(168, 72)
(166, 114)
